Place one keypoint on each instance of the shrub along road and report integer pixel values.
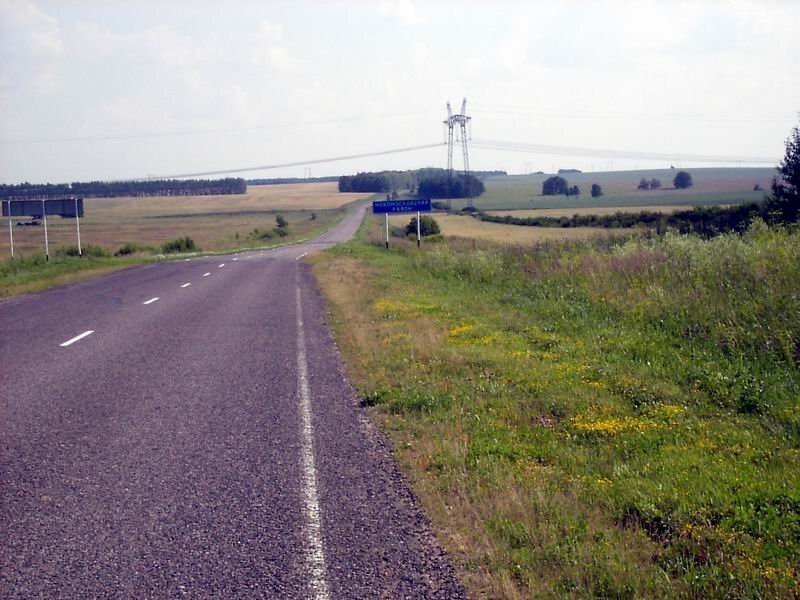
(186, 428)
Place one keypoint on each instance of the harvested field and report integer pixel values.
(588, 210)
(469, 227)
(214, 222)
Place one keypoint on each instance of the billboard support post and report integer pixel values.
(46, 243)
(387, 228)
(419, 237)
(78, 224)
(10, 230)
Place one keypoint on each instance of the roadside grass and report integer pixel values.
(33, 274)
(589, 418)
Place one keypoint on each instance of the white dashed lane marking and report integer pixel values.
(186, 285)
(77, 337)
(222, 265)
(206, 274)
(151, 300)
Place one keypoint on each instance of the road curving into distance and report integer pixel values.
(186, 429)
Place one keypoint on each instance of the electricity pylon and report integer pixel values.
(461, 120)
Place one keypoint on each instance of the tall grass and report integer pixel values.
(594, 418)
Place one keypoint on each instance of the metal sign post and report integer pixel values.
(401, 206)
(10, 230)
(39, 209)
(78, 224)
(46, 243)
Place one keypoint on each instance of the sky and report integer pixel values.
(116, 89)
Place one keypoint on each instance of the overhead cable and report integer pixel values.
(298, 163)
(605, 153)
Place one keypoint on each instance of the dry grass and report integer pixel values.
(212, 221)
(598, 210)
(468, 227)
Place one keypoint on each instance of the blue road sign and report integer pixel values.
(401, 206)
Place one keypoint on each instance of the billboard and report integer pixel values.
(65, 207)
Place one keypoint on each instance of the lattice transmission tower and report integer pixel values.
(461, 121)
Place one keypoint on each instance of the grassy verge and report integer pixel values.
(23, 276)
(589, 418)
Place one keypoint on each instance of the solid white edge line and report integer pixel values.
(186, 285)
(76, 338)
(315, 551)
(151, 300)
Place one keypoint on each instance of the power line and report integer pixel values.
(694, 118)
(315, 161)
(191, 132)
(605, 153)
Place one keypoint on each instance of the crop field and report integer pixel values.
(589, 418)
(469, 227)
(588, 210)
(711, 186)
(214, 222)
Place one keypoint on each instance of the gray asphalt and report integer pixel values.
(163, 454)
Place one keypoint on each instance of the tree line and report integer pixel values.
(114, 189)
(704, 221)
(428, 182)
(282, 180)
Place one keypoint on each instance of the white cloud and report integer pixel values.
(421, 51)
(30, 47)
(404, 11)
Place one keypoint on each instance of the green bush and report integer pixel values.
(263, 235)
(427, 226)
(181, 244)
(132, 248)
(89, 250)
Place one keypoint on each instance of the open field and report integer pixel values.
(589, 419)
(711, 186)
(469, 227)
(588, 210)
(214, 222)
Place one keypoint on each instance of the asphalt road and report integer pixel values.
(201, 441)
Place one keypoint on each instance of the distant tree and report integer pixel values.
(786, 190)
(281, 221)
(644, 184)
(655, 183)
(597, 190)
(757, 188)
(575, 191)
(682, 181)
(554, 186)
(427, 226)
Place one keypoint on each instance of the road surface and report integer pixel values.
(185, 429)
